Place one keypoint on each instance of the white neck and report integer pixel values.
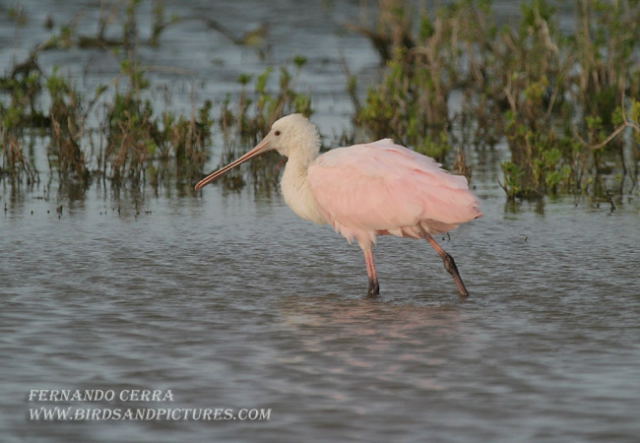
(295, 187)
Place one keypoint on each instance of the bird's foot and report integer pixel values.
(450, 266)
(374, 288)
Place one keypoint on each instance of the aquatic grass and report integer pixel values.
(248, 118)
(136, 143)
(133, 138)
(136, 137)
(255, 111)
(560, 125)
(23, 86)
(17, 114)
(564, 103)
(557, 99)
(16, 13)
(132, 134)
(255, 38)
(14, 163)
(392, 31)
(424, 64)
(67, 36)
(66, 127)
(126, 14)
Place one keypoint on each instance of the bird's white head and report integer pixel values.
(292, 136)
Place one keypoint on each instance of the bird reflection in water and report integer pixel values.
(380, 338)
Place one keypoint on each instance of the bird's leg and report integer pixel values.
(374, 286)
(449, 265)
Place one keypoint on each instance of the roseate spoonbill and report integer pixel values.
(366, 190)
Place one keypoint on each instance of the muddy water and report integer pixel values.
(230, 301)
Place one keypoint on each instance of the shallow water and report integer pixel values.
(231, 301)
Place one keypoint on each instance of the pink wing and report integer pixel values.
(384, 188)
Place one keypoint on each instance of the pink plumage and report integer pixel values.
(366, 190)
(384, 188)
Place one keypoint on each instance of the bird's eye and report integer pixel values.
(277, 133)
